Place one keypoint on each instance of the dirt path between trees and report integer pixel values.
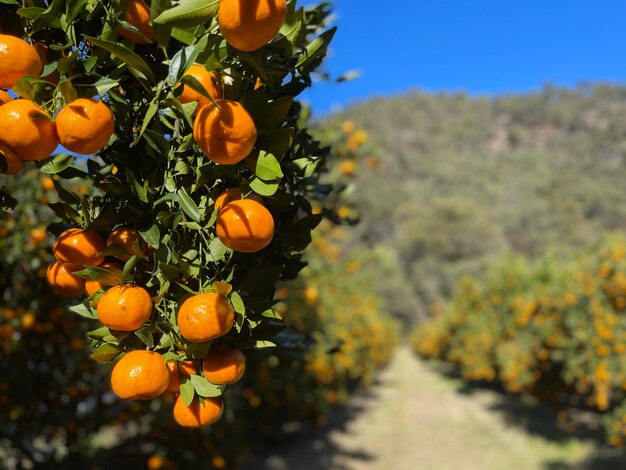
(416, 418)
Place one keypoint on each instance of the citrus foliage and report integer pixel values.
(114, 77)
(556, 331)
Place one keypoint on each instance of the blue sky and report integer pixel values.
(478, 46)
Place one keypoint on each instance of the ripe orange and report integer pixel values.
(37, 235)
(227, 196)
(249, 25)
(62, 280)
(94, 285)
(85, 126)
(140, 375)
(197, 415)
(175, 370)
(125, 308)
(11, 164)
(27, 130)
(47, 184)
(245, 225)
(17, 59)
(204, 317)
(226, 134)
(209, 80)
(4, 97)
(223, 366)
(76, 247)
(138, 14)
(127, 238)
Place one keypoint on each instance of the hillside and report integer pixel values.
(463, 179)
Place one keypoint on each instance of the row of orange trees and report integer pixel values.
(57, 406)
(556, 331)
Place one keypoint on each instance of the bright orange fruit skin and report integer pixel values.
(125, 308)
(245, 225)
(27, 130)
(138, 14)
(140, 375)
(4, 97)
(209, 80)
(126, 238)
(197, 415)
(76, 248)
(14, 164)
(226, 134)
(85, 126)
(62, 280)
(17, 59)
(248, 25)
(175, 370)
(223, 366)
(204, 317)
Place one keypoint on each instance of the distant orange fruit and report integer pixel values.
(140, 375)
(38, 235)
(175, 369)
(4, 97)
(17, 59)
(249, 25)
(226, 134)
(245, 225)
(138, 14)
(209, 80)
(47, 184)
(27, 130)
(62, 280)
(85, 126)
(94, 285)
(223, 366)
(127, 238)
(76, 247)
(125, 308)
(10, 163)
(204, 317)
(196, 415)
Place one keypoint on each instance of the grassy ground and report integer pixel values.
(418, 418)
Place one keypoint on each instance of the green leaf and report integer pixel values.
(187, 391)
(162, 33)
(189, 13)
(267, 167)
(263, 188)
(56, 163)
(188, 205)
(237, 302)
(198, 350)
(204, 388)
(151, 235)
(183, 59)
(66, 212)
(84, 311)
(217, 249)
(136, 64)
(106, 353)
(317, 48)
(99, 333)
(145, 335)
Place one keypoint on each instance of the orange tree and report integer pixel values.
(549, 329)
(175, 103)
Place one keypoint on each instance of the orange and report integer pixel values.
(227, 196)
(47, 184)
(223, 366)
(196, 415)
(76, 247)
(17, 59)
(37, 235)
(204, 317)
(62, 280)
(138, 14)
(4, 97)
(245, 225)
(127, 238)
(85, 126)
(226, 134)
(140, 375)
(248, 25)
(175, 370)
(27, 130)
(10, 163)
(125, 308)
(94, 285)
(209, 80)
